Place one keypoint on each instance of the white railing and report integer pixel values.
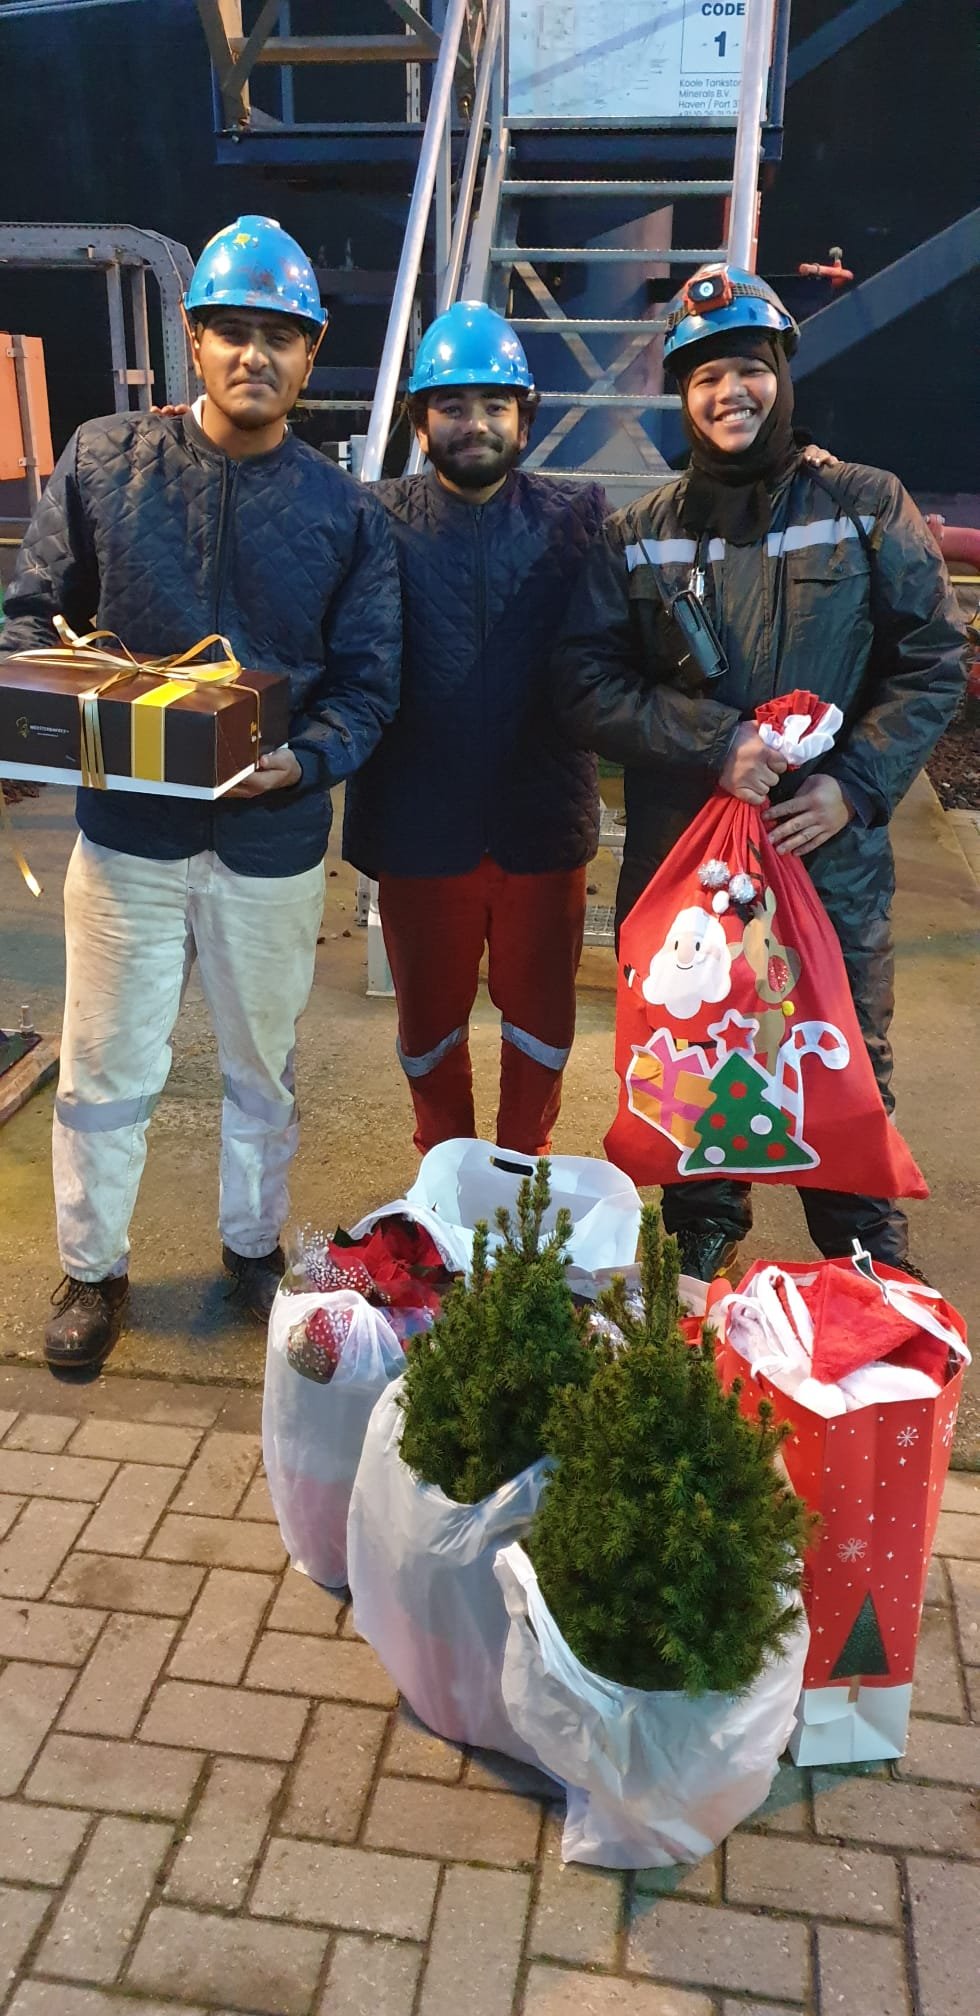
(433, 179)
(757, 54)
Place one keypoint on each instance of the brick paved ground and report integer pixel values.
(211, 1801)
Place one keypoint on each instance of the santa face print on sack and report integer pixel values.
(693, 965)
(732, 1100)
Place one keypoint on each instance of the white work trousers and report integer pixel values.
(133, 930)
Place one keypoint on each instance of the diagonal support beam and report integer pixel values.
(602, 378)
(417, 22)
(835, 35)
(863, 310)
(255, 42)
(222, 24)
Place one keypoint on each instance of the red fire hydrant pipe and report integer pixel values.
(956, 542)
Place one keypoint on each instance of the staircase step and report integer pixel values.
(545, 325)
(289, 49)
(562, 255)
(638, 402)
(599, 188)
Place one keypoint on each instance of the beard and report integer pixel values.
(475, 472)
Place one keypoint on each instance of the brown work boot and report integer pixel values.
(89, 1318)
(254, 1282)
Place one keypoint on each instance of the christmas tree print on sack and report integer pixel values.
(732, 1117)
(737, 1044)
(754, 1124)
(738, 1132)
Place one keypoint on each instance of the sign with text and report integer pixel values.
(644, 60)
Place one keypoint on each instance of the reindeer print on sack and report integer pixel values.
(777, 969)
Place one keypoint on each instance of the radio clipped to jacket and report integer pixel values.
(704, 645)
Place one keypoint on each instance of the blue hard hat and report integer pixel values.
(719, 298)
(470, 345)
(254, 263)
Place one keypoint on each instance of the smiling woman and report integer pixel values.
(729, 398)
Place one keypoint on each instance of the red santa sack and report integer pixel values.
(875, 1476)
(737, 1046)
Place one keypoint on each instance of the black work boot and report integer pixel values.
(89, 1318)
(254, 1282)
(707, 1249)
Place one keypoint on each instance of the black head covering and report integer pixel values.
(731, 494)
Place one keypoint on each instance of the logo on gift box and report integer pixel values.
(25, 728)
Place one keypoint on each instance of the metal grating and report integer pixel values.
(600, 924)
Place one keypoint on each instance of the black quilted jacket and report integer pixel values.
(150, 529)
(474, 765)
(806, 607)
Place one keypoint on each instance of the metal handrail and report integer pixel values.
(471, 159)
(434, 149)
(751, 113)
(449, 283)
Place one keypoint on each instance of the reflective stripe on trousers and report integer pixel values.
(420, 1067)
(134, 930)
(552, 1056)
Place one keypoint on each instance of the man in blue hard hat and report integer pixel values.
(474, 815)
(170, 528)
(826, 580)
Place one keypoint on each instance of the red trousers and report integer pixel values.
(435, 930)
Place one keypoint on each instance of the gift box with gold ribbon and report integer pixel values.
(89, 711)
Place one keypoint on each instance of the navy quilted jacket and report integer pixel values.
(151, 529)
(475, 765)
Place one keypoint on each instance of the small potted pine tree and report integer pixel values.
(453, 1467)
(657, 1643)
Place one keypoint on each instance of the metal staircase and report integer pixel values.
(598, 287)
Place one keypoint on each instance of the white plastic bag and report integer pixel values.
(312, 1432)
(422, 1578)
(651, 1778)
(463, 1181)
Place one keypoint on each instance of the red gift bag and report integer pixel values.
(737, 1046)
(875, 1476)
